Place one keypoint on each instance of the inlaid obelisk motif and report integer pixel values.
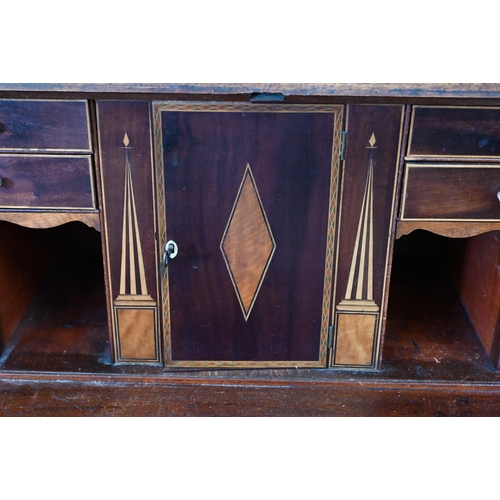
(247, 244)
(134, 308)
(357, 314)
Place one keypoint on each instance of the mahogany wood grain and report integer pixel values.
(65, 325)
(44, 220)
(479, 285)
(94, 136)
(44, 125)
(393, 230)
(25, 256)
(426, 372)
(205, 159)
(435, 364)
(428, 330)
(115, 118)
(456, 131)
(451, 192)
(450, 229)
(345, 90)
(59, 182)
(36, 395)
(386, 123)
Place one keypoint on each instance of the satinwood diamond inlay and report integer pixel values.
(248, 244)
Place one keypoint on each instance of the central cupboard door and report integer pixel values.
(247, 200)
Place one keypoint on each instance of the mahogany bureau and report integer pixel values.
(250, 249)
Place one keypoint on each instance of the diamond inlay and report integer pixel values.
(248, 244)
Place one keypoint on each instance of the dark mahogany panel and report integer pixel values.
(116, 118)
(374, 137)
(205, 159)
(129, 227)
(455, 131)
(60, 182)
(461, 192)
(44, 125)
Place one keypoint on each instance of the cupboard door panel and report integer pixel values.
(250, 200)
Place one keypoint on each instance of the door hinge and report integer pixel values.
(330, 337)
(343, 145)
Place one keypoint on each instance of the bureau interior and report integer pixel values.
(52, 299)
(444, 301)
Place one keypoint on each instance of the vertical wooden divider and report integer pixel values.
(129, 230)
(368, 200)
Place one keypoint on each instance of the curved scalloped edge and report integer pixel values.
(45, 220)
(463, 229)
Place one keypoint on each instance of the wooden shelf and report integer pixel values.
(429, 335)
(64, 327)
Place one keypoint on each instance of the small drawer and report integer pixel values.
(46, 182)
(451, 192)
(454, 132)
(42, 125)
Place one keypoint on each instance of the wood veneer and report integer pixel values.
(293, 155)
(63, 325)
(50, 182)
(409, 381)
(44, 126)
(478, 281)
(445, 91)
(25, 258)
(125, 146)
(451, 229)
(45, 220)
(374, 140)
(451, 192)
(455, 132)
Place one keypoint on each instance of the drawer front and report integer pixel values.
(41, 125)
(458, 192)
(455, 132)
(55, 182)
